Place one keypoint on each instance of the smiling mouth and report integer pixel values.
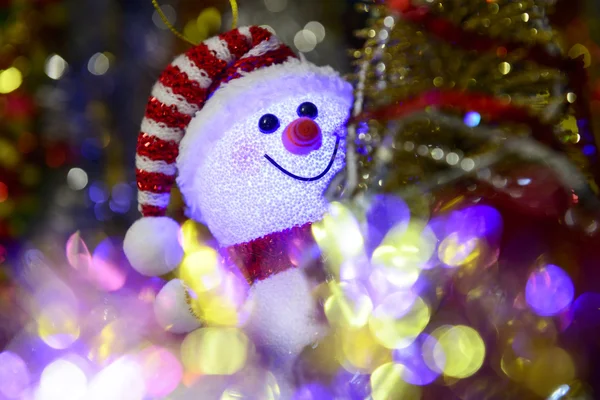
(307, 179)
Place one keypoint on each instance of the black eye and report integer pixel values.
(268, 123)
(308, 110)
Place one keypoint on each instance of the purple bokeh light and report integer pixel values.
(107, 270)
(468, 226)
(417, 359)
(161, 370)
(472, 119)
(384, 212)
(14, 375)
(313, 391)
(347, 385)
(549, 290)
(586, 316)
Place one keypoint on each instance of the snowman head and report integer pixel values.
(253, 136)
(259, 155)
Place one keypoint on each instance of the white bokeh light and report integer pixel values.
(98, 64)
(62, 380)
(317, 28)
(122, 380)
(77, 179)
(169, 12)
(305, 41)
(55, 66)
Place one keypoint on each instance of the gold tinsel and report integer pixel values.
(401, 60)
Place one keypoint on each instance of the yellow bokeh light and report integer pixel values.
(461, 347)
(209, 20)
(360, 351)
(201, 270)
(550, 368)
(455, 252)
(215, 351)
(9, 155)
(10, 80)
(404, 251)
(253, 383)
(112, 340)
(195, 33)
(57, 325)
(513, 366)
(579, 50)
(387, 384)
(215, 310)
(399, 319)
(504, 68)
(338, 235)
(394, 266)
(349, 305)
(190, 237)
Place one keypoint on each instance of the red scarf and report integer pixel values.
(273, 253)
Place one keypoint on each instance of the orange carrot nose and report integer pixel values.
(302, 136)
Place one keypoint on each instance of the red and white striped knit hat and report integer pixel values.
(181, 92)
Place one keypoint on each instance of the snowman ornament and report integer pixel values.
(252, 135)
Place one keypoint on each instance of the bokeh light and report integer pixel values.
(215, 351)
(549, 290)
(121, 380)
(58, 325)
(62, 380)
(253, 383)
(461, 348)
(10, 80)
(317, 28)
(383, 213)
(559, 393)
(388, 260)
(404, 251)
(360, 352)
(77, 179)
(349, 304)
(550, 368)
(579, 50)
(169, 12)
(455, 252)
(113, 339)
(190, 237)
(55, 66)
(399, 319)
(339, 237)
(312, 391)
(209, 20)
(107, 271)
(201, 270)
(98, 64)
(305, 41)
(387, 383)
(161, 370)
(469, 238)
(226, 304)
(472, 119)
(14, 375)
(418, 361)
(77, 253)
(98, 192)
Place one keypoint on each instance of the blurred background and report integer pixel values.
(75, 79)
(75, 76)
